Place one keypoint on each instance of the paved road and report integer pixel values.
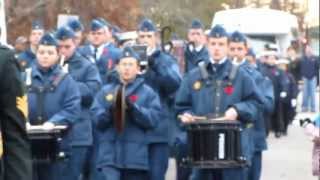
(288, 158)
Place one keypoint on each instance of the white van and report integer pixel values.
(3, 38)
(261, 26)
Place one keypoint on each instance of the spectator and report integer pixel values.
(309, 68)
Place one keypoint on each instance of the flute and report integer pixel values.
(65, 67)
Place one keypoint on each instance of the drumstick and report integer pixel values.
(40, 127)
(203, 118)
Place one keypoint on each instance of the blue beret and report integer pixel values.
(64, 33)
(49, 40)
(129, 52)
(96, 25)
(103, 22)
(196, 24)
(218, 32)
(37, 25)
(238, 37)
(116, 29)
(251, 52)
(147, 25)
(75, 25)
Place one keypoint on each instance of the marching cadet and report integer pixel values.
(276, 75)
(125, 112)
(53, 99)
(78, 29)
(162, 75)
(28, 57)
(289, 103)
(195, 51)
(237, 95)
(100, 50)
(15, 151)
(88, 80)
(238, 50)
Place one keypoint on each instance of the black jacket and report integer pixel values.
(16, 158)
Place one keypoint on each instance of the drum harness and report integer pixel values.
(40, 92)
(217, 85)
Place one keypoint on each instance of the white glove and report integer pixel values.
(294, 103)
(231, 114)
(186, 118)
(28, 125)
(65, 68)
(283, 94)
(48, 126)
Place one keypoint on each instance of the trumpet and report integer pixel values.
(119, 109)
(65, 67)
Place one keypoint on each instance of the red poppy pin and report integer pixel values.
(110, 64)
(105, 51)
(133, 98)
(229, 89)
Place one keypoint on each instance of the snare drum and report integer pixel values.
(45, 145)
(214, 144)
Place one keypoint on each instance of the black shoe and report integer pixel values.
(285, 133)
(277, 134)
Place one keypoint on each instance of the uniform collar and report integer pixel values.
(74, 58)
(223, 60)
(199, 48)
(133, 85)
(44, 74)
(30, 53)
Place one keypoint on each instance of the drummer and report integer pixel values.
(235, 99)
(53, 99)
(123, 147)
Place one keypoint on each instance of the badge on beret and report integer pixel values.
(109, 97)
(197, 85)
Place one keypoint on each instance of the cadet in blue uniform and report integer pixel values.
(28, 57)
(290, 101)
(238, 50)
(162, 75)
(78, 29)
(53, 99)
(88, 80)
(100, 50)
(276, 75)
(195, 51)
(125, 112)
(237, 95)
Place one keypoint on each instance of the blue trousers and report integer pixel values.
(110, 173)
(181, 151)
(52, 171)
(78, 161)
(309, 94)
(158, 160)
(255, 169)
